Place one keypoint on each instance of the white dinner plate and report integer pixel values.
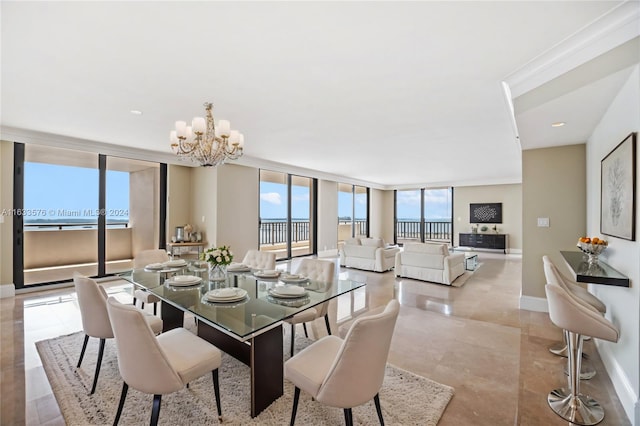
(184, 280)
(178, 262)
(267, 274)
(293, 278)
(225, 295)
(155, 266)
(238, 267)
(286, 293)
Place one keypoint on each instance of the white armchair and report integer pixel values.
(368, 253)
(429, 262)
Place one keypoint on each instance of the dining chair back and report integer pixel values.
(256, 259)
(158, 365)
(346, 373)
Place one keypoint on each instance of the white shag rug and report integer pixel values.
(406, 399)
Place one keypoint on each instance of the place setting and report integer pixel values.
(179, 281)
(288, 295)
(225, 296)
(267, 274)
(175, 263)
(238, 267)
(293, 278)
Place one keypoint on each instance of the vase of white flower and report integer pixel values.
(218, 258)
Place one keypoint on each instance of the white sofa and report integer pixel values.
(429, 262)
(370, 254)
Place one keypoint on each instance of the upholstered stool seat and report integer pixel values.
(554, 276)
(578, 319)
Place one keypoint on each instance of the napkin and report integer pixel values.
(184, 278)
(269, 272)
(224, 292)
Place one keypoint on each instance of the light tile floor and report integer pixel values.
(473, 338)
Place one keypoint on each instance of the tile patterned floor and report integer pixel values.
(473, 338)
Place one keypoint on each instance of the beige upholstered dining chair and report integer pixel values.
(256, 259)
(142, 259)
(316, 270)
(158, 365)
(92, 299)
(346, 373)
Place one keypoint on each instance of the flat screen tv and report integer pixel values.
(485, 213)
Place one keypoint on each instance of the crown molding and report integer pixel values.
(609, 31)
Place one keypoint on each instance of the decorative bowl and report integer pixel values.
(592, 250)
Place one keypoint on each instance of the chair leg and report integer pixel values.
(304, 325)
(216, 391)
(348, 417)
(293, 337)
(84, 347)
(123, 396)
(155, 308)
(98, 364)
(376, 399)
(326, 322)
(155, 412)
(134, 301)
(142, 305)
(296, 397)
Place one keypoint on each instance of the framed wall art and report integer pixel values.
(618, 190)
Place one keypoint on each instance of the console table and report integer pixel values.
(186, 248)
(485, 241)
(598, 273)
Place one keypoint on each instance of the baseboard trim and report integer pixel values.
(621, 383)
(7, 290)
(535, 304)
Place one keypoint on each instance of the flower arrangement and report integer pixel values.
(218, 255)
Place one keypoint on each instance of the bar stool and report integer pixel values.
(569, 314)
(554, 276)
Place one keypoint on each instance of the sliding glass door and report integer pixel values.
(287, 214)
(353, 211)
(81, 212)
(424, 215)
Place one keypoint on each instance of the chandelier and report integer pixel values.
(206, 143)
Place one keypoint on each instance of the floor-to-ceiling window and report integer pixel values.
(438, 211)
(287, 214)
(408, 215)
(78, 213)
(353, 211)
(424, 215)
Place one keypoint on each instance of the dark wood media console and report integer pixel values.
(484, 241)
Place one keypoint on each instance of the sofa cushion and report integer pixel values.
(423, 260)
(427, 248)
(372, 242)
(352, 241)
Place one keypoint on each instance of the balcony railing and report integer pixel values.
(410, 230)
(274, 231)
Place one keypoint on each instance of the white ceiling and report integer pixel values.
(393, 94)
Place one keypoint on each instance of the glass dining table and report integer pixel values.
(249, 328)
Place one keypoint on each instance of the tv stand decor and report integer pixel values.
(484, 241)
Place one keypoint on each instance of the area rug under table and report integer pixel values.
(406, 399)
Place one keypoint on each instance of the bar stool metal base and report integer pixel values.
(581, 409)
(560, 349)
(586, 372)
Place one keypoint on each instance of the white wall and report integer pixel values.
(622, 359)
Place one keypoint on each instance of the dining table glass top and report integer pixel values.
(264, 305)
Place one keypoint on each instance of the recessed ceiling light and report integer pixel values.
(136, 112)
(558, 124)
